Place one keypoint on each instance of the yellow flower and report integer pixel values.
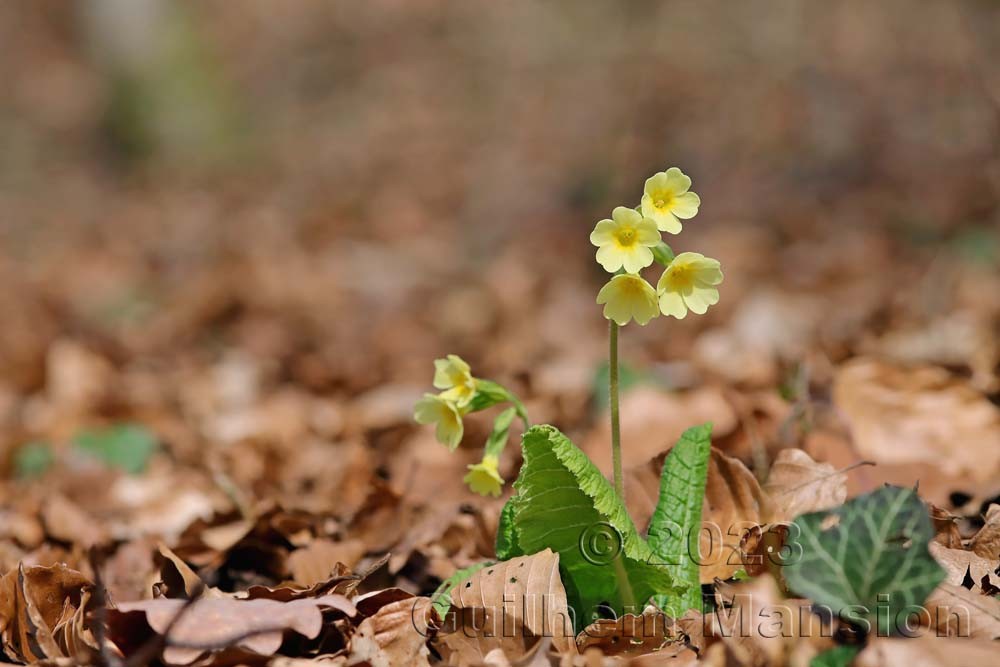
(455, 376)
(628, 296)
(483, 478)
(432, 409)
(666, 198)
(625, 241)
(688, 284)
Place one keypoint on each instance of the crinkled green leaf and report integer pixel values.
(675, 527)
(506, 545)
(866, 559)
(564, 503)
(124, 446)
(441, 600)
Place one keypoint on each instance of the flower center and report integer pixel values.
(662, 200)
(681, 277)
(626, 236)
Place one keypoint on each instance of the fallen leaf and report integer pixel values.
(957, 612)
(960, 563)
(39, 613)
(396, 634)
(899, 416)
(316, 561)
(927, 652)
(986, 542)
(509, 605)
(632, 635)
(209, 624)
(797, 485)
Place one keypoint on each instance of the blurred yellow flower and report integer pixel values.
(484, 478)
(688, 284)
(625, 241)
(666, 198)
(433, 409)
(627, 296)
(455, 377)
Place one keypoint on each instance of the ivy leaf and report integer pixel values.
(675, 527)
(124, 446)
(867, 558)
(564, 503)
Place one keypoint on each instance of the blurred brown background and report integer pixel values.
(250, 226)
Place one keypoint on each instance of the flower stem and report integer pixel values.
(616, 436)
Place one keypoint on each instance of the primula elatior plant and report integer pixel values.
(563, 502)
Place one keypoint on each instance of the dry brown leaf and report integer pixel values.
(927, 651)
(959, 563)
(209, 624)
(986, 542)
(509, 605)
(765, 630)
(900, 416)
(797, 484)
(42, 613)
(958, 612)
(316, 561)
(64, 520)
(396, 634)
(177, 579)
(946, 531)
(633, 635)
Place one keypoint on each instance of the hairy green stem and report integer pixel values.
(616, 436)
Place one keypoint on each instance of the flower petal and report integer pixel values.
(685, 205)
(700, 298)
(646, 232)
(637, 258)
(671, 304)
(624, 215)
(610, 257)
(677, 182)
(666, 221)
(603, 232)
(657, 181)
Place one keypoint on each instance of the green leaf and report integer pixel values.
(488, 394)
(839, 656)
(441, 600)
(675, 527)
(124, 446)
(33, 459)
(501, 427)
(564, 503)
(506, 545)
(865, 559)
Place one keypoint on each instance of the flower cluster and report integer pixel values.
(630, 241)
(460, 394)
